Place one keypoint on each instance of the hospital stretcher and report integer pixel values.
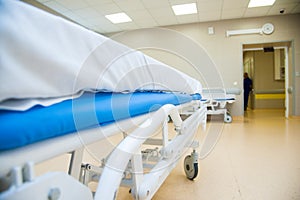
(216, 99)
(45, 132)
(71, 87)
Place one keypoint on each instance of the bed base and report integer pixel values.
(218, 107)
(216, 99)
(143, 171)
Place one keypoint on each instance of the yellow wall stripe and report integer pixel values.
(269, 96)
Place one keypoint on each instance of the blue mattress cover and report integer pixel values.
(20, 128)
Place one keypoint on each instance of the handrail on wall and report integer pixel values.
(275, 91)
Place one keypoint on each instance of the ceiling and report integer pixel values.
(154, 13)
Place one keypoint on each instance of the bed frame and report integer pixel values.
(127, 165)
(83, 61)
(216, 100)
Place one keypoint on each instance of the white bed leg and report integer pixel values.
(28, 172)
(137, 173)
(75, 163)
(165, 133)
(17, 176)
(177, 121)
(118, 160)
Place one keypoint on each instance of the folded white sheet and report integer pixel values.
(45, 59)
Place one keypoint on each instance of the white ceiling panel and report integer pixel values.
(142, 18)
(183, 19)
(234, 4)
(162, 12)
(209, 5)
(129, 5)
(95, 2)
(71, 15)
(98, 21)
(87, 13)
(73, 4)
(140, 15)
(233, 13)
(56, 6)
(256, 12)
(153, 13)
(107, 8)
(155, 3)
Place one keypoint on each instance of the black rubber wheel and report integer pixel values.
(190, 168)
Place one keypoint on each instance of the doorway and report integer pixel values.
(267, 64)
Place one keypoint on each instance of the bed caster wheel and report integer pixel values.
(190, 167)
(169, 120)
(227, 118)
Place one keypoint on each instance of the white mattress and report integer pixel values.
(220, 94)
(46, 59)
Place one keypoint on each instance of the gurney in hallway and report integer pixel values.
(216, 99)
(71, 95)
(19, 156)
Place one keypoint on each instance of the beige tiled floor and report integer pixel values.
(257, 158)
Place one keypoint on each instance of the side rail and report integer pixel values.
(127, 163)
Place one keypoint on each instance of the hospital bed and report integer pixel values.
(216, 99)
(54, 102)
(44, 132)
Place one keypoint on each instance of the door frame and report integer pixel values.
(285, 47)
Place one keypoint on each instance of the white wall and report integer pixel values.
(226, 52)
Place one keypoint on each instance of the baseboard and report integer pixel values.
(238, 118)
(294, 117)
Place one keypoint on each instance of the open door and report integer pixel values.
(289, 83)
(249, 68)
(281, 73)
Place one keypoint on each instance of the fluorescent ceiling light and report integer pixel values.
(259, 3)
(118, 18)
(185, 9)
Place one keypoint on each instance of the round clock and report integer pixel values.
(268, 28)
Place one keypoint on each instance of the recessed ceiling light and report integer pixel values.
(118, 18)
(185, 9)
(259, 3)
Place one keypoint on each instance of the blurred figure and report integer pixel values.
(247, 89)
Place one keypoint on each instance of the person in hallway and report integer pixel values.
(247, 89)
